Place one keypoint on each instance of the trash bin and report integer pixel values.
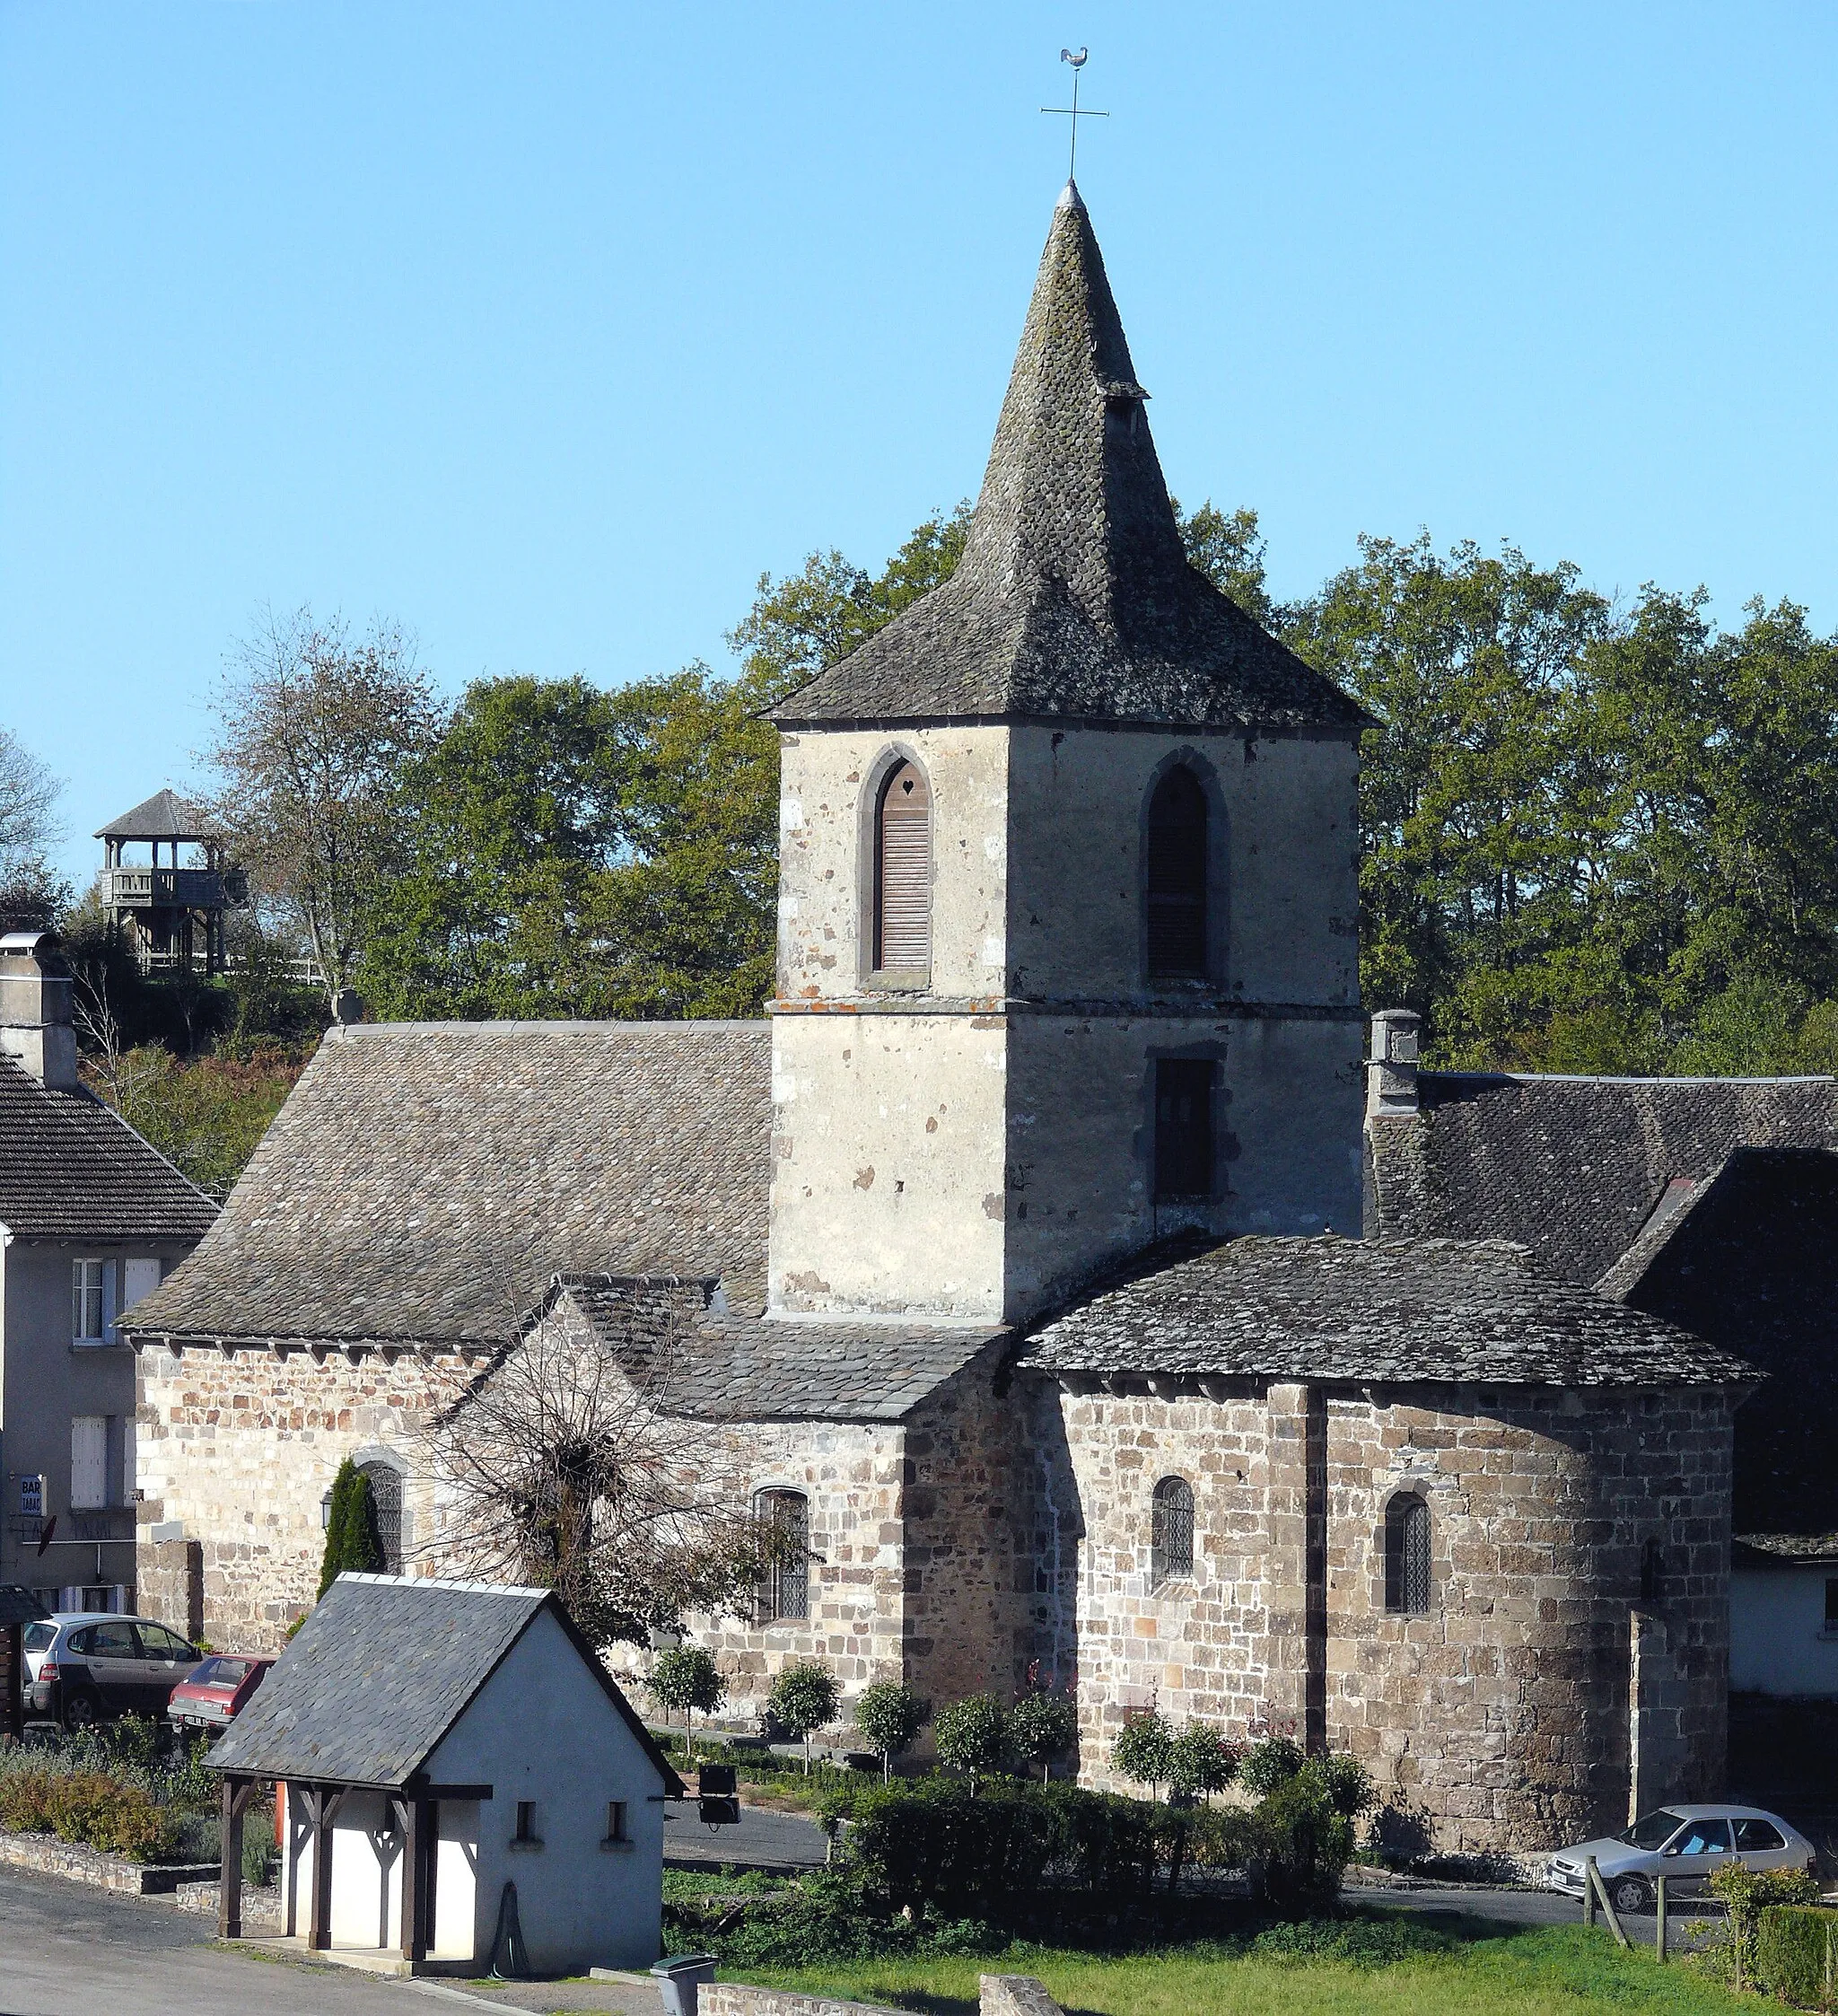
(680, 1977)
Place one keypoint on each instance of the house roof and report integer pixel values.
(20, 1605)
(382, 1669)
(162, 817)
(1574, 1167)
(426, 1182)
(71, 1168)
(1784, 1550)
(1074, 598)
(1403, 1312)
(717, 1363)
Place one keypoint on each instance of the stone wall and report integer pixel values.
(171, 1582)
(1502, 1716)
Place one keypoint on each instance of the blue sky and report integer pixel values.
(545, 328)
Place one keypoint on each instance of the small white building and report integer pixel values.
(1783, 1616)
(464, 1783)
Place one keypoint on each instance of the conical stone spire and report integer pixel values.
(1075, 598)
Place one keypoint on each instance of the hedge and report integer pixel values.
(1796, 1954)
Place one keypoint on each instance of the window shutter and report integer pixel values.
(89, 1462)
(903, 872)
(1177, 882)
(139, 1278)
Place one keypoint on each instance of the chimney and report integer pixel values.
(1391, 1077)
(35, 1025)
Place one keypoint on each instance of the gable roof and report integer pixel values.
(71, 1168)
(715, 1362)
(426, 1182)
(1074, 598)
(164, 816)
(381, 1671)
(1403, 1312)
(1574, 1167)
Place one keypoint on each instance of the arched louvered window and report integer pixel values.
(903, 872)
(1171, 1532)
(1407, 1554)
(386, 1496)
(1176, 888)
(783, 1596)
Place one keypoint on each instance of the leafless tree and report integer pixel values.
(564, 1466)
(315, 731)
(27, 794)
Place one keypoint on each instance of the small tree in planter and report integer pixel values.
(1201, 1762)
(686, 1679)
(1269, 1765)
(890, 1717)
(1041, 1727)
(973, 1735)
(1144, 1750)
(803, 1699)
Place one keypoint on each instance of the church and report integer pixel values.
(1037, 1260)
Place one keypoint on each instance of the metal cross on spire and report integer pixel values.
(1074, 111)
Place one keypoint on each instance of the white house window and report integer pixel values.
(89, 1462)
(616, 1820)
(87, 1314)
(1832, 1608)
(526, 1832)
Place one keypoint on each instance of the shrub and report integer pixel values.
(1745, 1894)
(1201, 1762)
(87, 1807)
(686, 1679)
(1300, 1847)
(803, 1699)
(1346, 1781)
(972, 1735)
(1041, 1727)
(353, 1539)
(890, 1717)
(1144, 1750)
(1269, 1765)
(1796, 1954)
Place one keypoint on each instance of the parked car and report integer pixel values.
(217, 1691)
(1687, 1845)
(93, 1665)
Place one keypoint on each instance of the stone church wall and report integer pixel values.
(1500, 1718)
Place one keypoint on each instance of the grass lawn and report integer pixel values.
(1483, 1970)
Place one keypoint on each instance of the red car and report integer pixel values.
(214, 1692)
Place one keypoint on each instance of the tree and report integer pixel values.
(1201, 1762)
(564, 1470)
(972, 1735)
(1229, 551)
(1043, 1726)
(686, 1679)
(354, 1540)
(804, 1699)
(890, 1717)
(1144, 1750)
(1271, 1763)
(29, 794)
(316, 732)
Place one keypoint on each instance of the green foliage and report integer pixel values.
(804, 1699)
(890, 1717)
(686, 1678)
(1796, 1955)
(353, 1541)
(1144, 1750)
(120, 1788)
(206, 1116)
(972, 1735)
(89, 1806)
(1269, 1765)
(1228, 549)
(1745, 1894)
(1042, 1726)
(1300, 1847)
(1201, 1762)
(1346, 1781)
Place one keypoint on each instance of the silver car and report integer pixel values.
(1687, 1845)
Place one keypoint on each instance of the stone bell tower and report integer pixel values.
(1068, 955)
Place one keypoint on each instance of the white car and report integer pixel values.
(1686, 1844)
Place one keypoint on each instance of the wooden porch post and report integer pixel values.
(237, 1794)
(319, 1925)
(15, 1682)
(417, 1888)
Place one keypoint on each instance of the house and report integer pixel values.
(1013, 1265)
(90, 1219)
(465, 1781)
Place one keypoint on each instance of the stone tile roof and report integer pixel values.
(71, 1168)
(381, 1670)
(1401, 1312)
(1574, 1168)
(1075, 598)
(717, 1363)
(1784, 1550)
(162, 817)
(426, 1180)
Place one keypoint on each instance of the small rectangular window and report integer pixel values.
(86, 1317)
(1184, 1155)
(526, 1820)
(1832, 1606)
(616, 1820)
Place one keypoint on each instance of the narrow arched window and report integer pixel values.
(1407, 1554)
(903, 872)
(1652, 1573)
(1176, 883)
(1171, 1531)
(386, 1495)
(783, 1596)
